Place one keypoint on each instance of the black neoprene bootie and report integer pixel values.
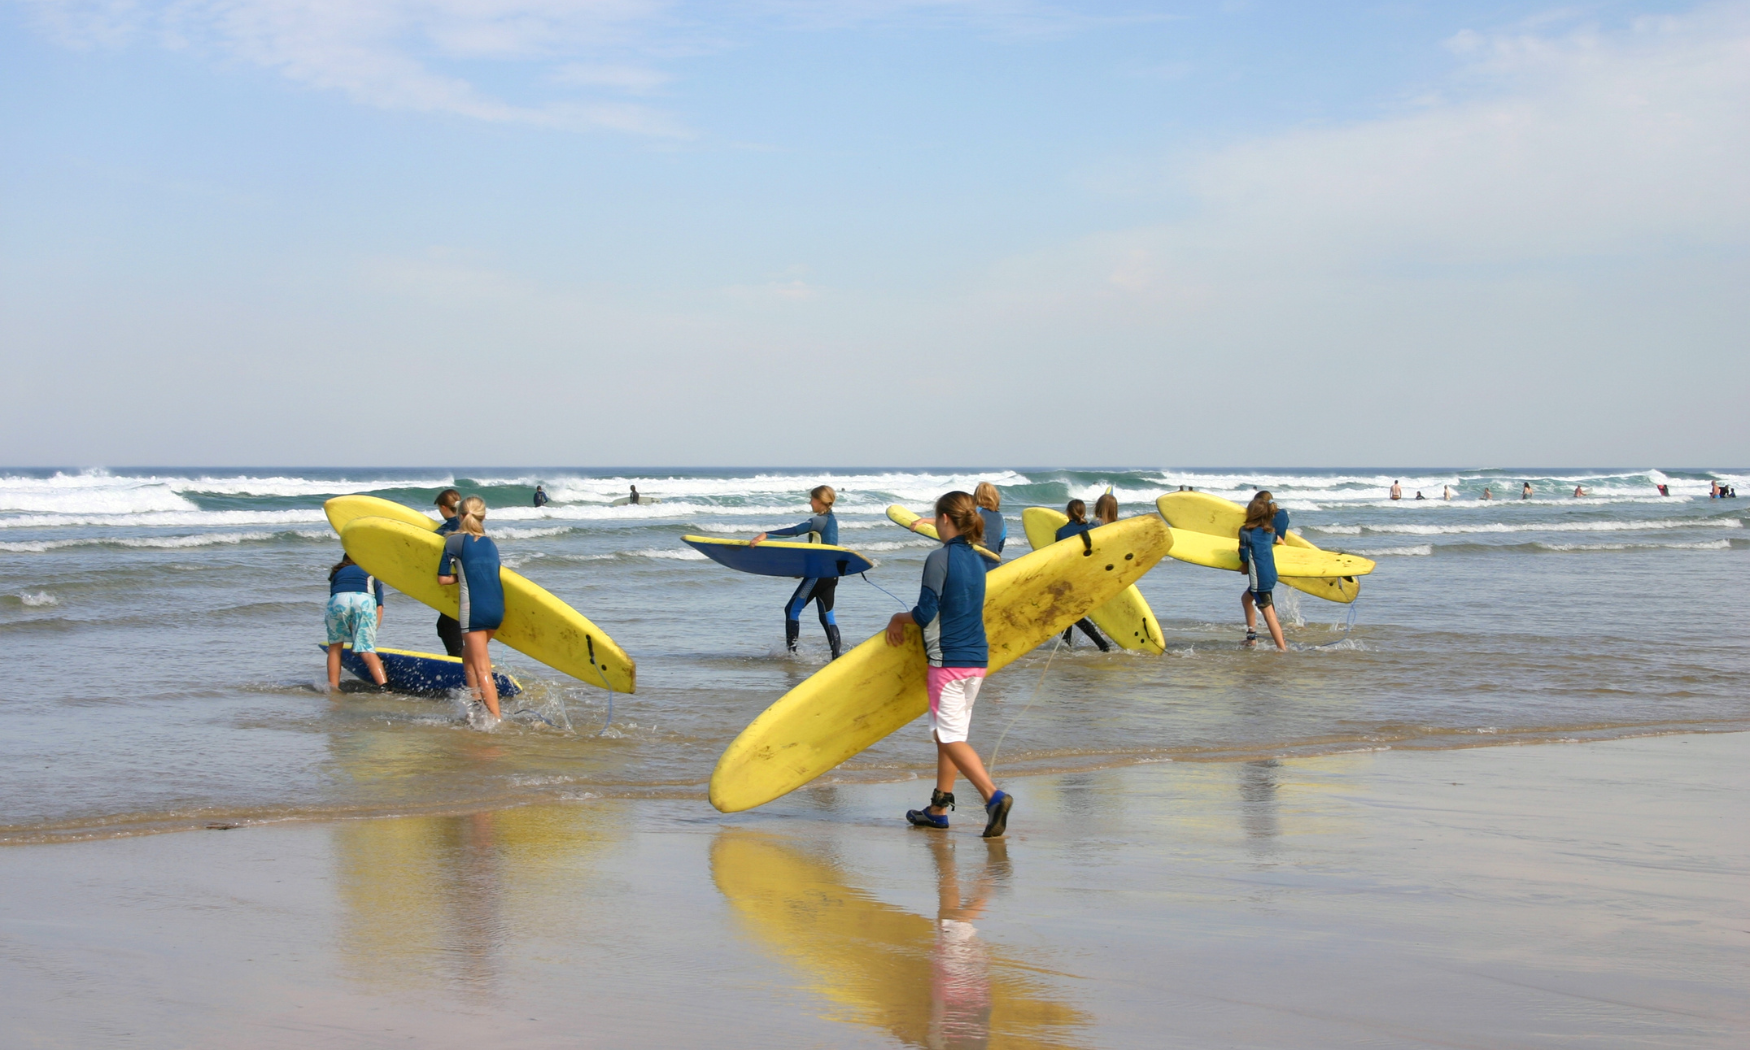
(832, 638)
(792, 628)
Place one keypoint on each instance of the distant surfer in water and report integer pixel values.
(1077, 511)
(1397, 491)
(470, 559)
(353, 617)
(449, 629)
(996, 533)
(541, 499)
(1448, 489)
(950, 611)
(823, 527)
(1525, 491)
(1258, 539)
(1579, 492)
(1486, 493)
(633, 499)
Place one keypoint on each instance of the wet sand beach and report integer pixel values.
(1531, 896)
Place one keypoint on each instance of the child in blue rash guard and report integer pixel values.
(1077, 511)
(823, 527)
(471, 560)
(448, 629)
(950, 610)
(1258, 539)
(996, 531)
(353, 617)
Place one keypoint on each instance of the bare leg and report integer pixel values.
(1250, 608)
(960, 755)
(478, 658)
(374, 664)
(1275, 628)
(334, 666)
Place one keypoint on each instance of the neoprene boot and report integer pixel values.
(792, 628)
(832, 638)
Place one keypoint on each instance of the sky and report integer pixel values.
(776, 232)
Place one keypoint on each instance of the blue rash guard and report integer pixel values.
(995, 535)
(352, 579)
(950, 606)
(825, 525)
(1258, 558)
(1074, 528)
(1280, 524)
(482, 595)
(450, 525)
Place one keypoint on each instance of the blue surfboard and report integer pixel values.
(411, 672)
(780, 558)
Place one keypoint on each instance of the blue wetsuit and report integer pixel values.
(351, 579)
(1064, 532)
(821, 590)
(950, 606)
(995, 535)
(1280, 524)
(1258, 558)
(482, 597)
(449, 629)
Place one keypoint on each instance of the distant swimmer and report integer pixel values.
(1258, 540)
(470, 560)
(1525, 491)
(950, 612)
(1419, 494)
(541, 499)
(996, 531)
(1078, 524)
(449, 629)
(1664, 490)
(1486, 493)
(1578, 492)
(1397, 491)
(1448, 489)
(823, 527)
(352, 617)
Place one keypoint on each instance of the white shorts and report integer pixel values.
(953, 691)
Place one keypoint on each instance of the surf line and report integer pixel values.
(1349, 625)
(998, 750)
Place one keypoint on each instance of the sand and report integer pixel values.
(1592, 894)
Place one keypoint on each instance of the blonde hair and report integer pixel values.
(1106, 509)
(472, 516)
(1261, 513)
(824, 494)
(963, 512)
(986, 496)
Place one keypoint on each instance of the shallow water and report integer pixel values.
(165, 628)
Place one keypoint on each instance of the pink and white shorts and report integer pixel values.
(952, 693)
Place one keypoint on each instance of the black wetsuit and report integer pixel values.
(448, 627)
(820, 590)
(1076, 528)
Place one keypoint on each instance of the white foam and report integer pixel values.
(100, 492)
(530, 534)
(206, 539)
(1714, 545)
(166, 519)
(38, 599)
(1530, 526)
(677, 554)
(869, 490)
(1420, 551)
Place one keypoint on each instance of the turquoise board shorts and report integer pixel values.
(352, 617)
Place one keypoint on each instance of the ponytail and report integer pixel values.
(1261, 513)
(1077, 511)
(963, 512)
(345, 560)
(471, 516)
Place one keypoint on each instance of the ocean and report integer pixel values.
(163, 630)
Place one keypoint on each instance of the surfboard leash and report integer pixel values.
(1349, 625)
(991, 769)
(603, 676)
(882, 589)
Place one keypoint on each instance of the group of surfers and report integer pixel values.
(949, 611)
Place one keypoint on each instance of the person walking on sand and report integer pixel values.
(823, 527)
(1258, 540)
(1525, 491)
(470, 560)
(1397, 491)
(1077, 511)
(353, 618)
(950, 611)
(449, 629)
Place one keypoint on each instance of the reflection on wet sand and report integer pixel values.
(443, 899)
(930, 983)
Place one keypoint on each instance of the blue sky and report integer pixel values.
(872, 232)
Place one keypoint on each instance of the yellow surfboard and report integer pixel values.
(1126, 619)
(876, 688)
(1212, 516)
(344, 509)
(537, 624)
(904, 518)
(881, 964)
